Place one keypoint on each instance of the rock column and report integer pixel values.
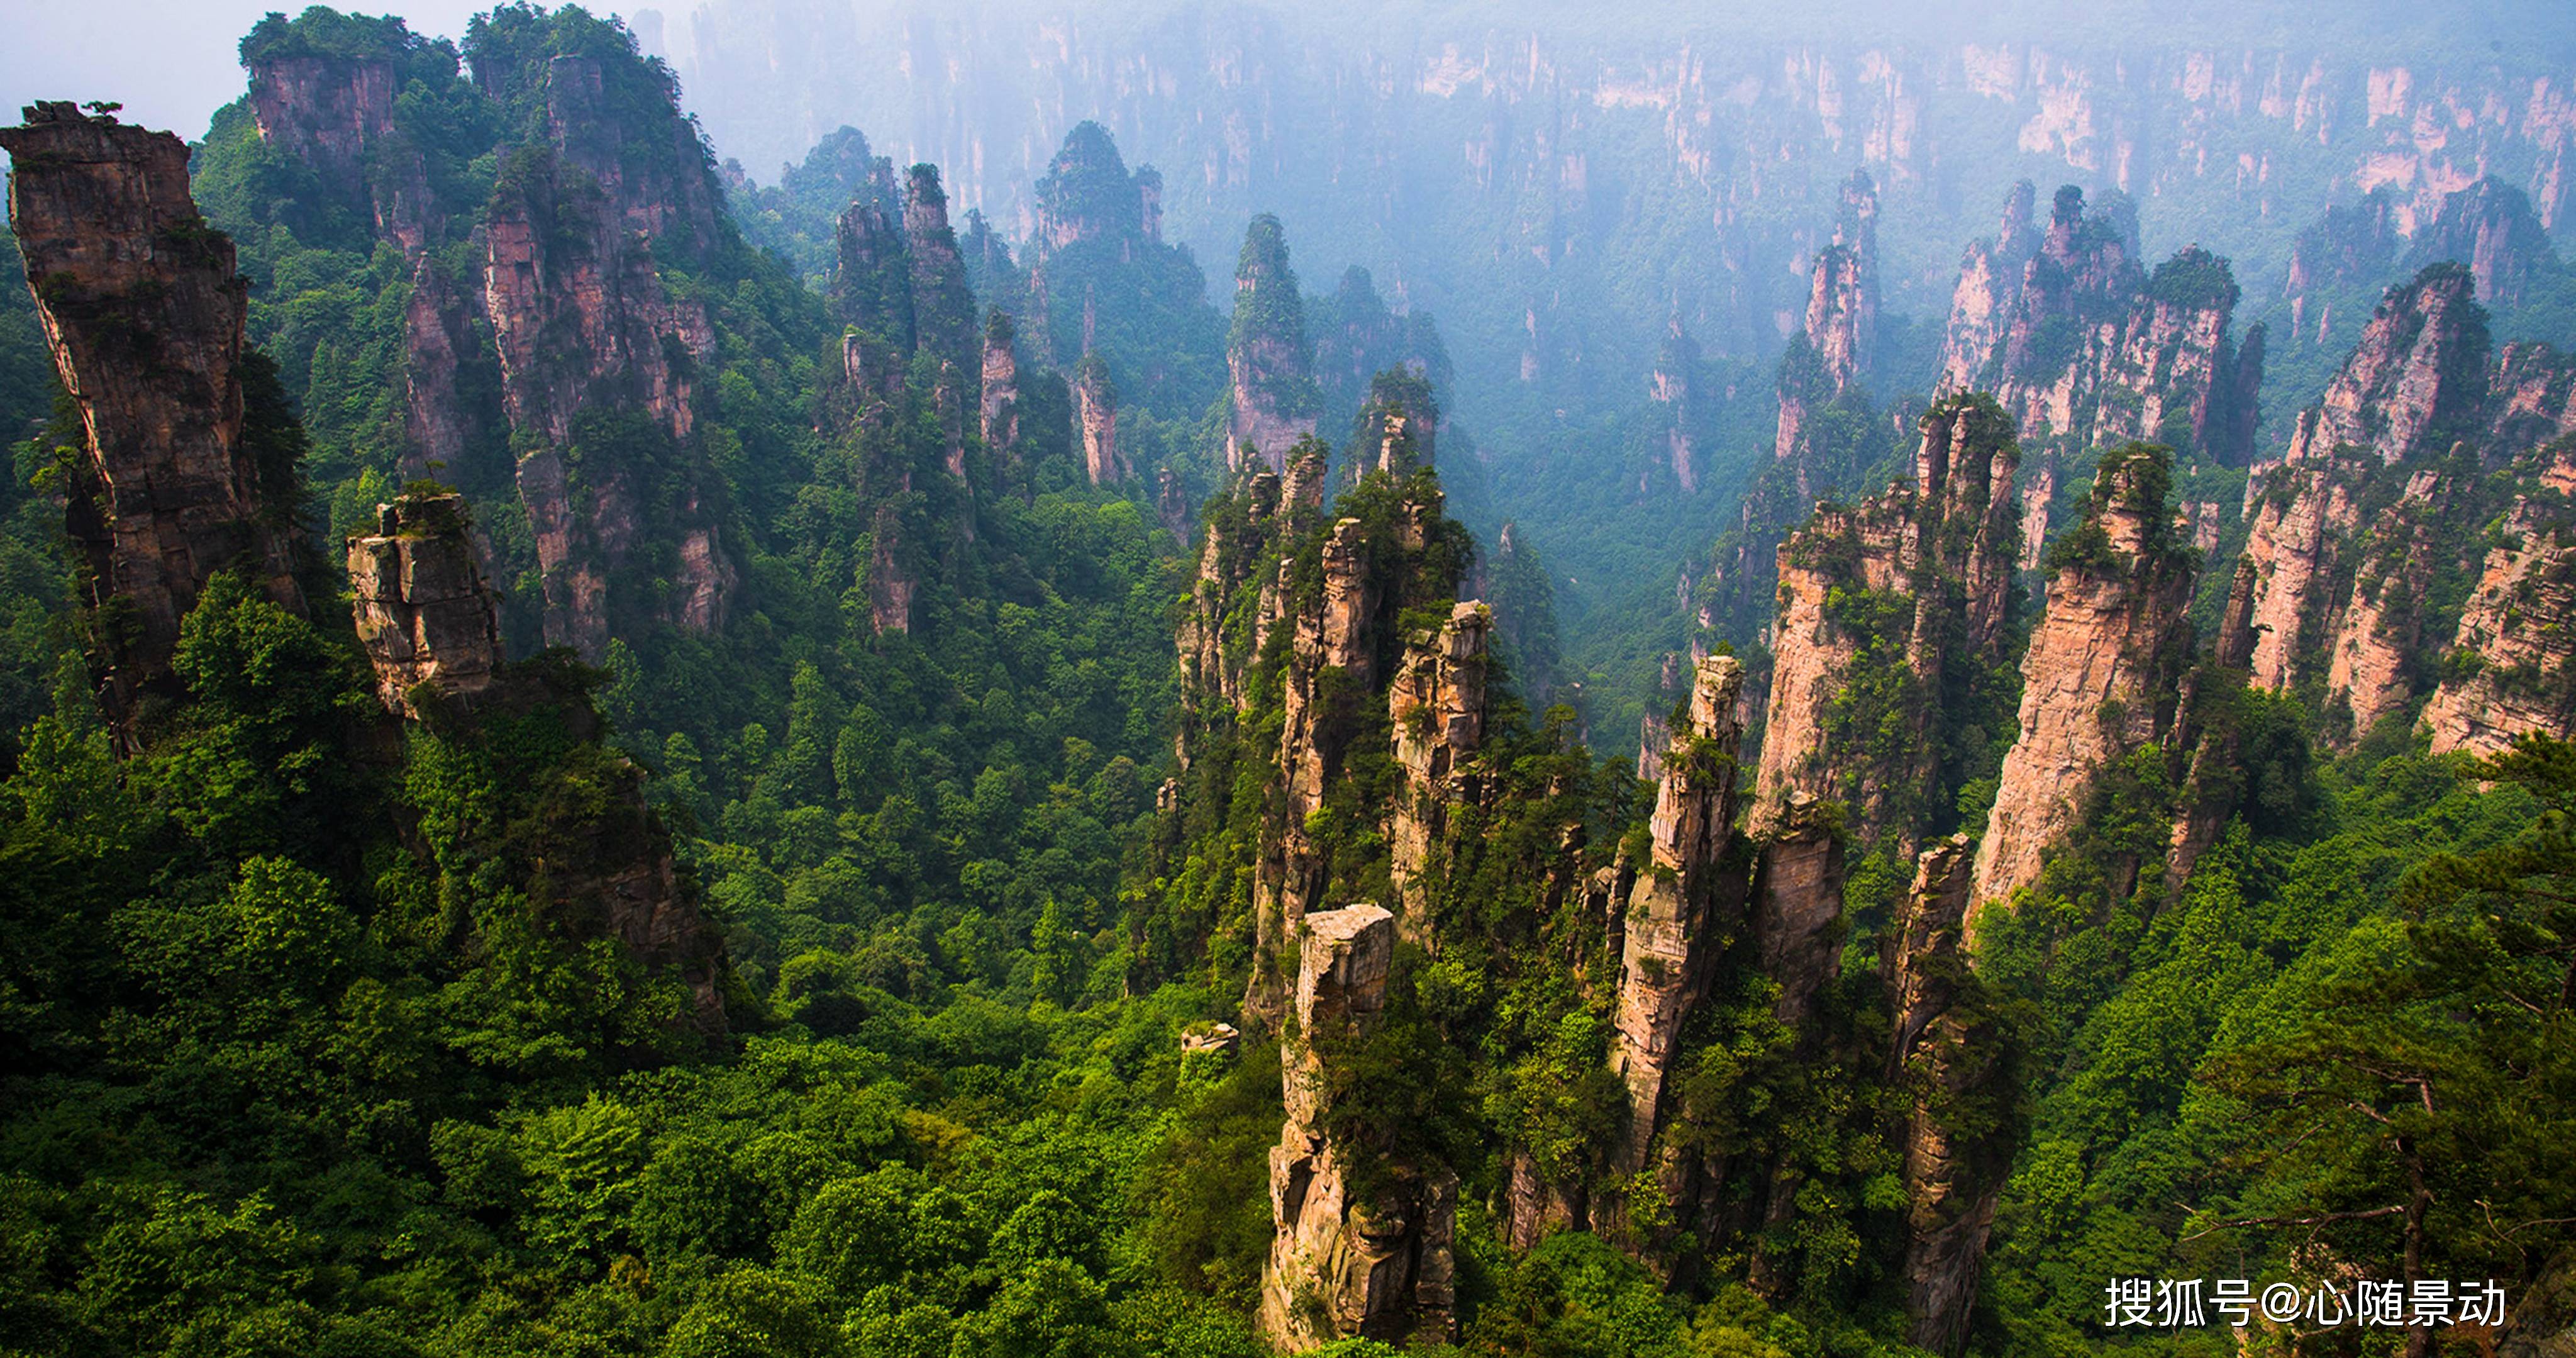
(1363, 1240)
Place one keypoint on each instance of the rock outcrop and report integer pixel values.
(1877, 604)
(1953, 1178)
(423, 613)
(1398, 428)
(2417, 381)
(2102, 674)
(1665, 945)
(1332, 652)
(2344, 530)
(2085, 349)
(1840, 335)
(1363, 1241)
(2373, 654)
(2517, 637)
(582, 323)
(999, 414)
(1095, 403)
(1822, 366)
(1436, 710)
(2490, 227)
(1271, 396)
(1797, 910)
(943, 306)
(143, 313)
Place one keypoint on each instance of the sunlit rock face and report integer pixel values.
(1363, 1242)
(142, 311)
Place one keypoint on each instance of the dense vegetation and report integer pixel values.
(297, 1062)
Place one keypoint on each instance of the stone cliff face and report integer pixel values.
(2101, 676)
(422, 610)
(2370, 660)
(1665, 946)
(143, 313)
(1990, 279)
(1436, 710)
(1952, 1181)
(2084, 348)
(1399, 426)
(1797, 910)
(2520, 628)
(999, 412)
(1333, 634)
(2490, 227)
(2341, 556)
(582, 322)
(1914, 581)
(2300, 512)
(943, 307)
(1355, 1254)
(1841, 329)
(2417, 380)
(1095, 402)
(1269, 365)
(336, 115)
(427, 622)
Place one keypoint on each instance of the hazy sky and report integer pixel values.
(172, 63)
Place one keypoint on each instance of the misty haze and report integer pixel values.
(1150, 680)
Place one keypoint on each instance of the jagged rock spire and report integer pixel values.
(1665, 949)
(143, 312)
(2102, 674)
(1354, 1254)
(1268, 361)
(1917, 579)
(423, 612)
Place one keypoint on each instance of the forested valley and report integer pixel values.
(598, 757)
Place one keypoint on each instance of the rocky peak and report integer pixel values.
(1436, 711)
(2490, 227)
(1990, 275)
(1842, 294)
(1841, 327)
(1399, 427)
(1272, 394)
(943, 307)
(654, 174)
(2086, 349)
(423, 613)
(2103, 668)
(143, 313)
(872, 288)
(1087, 194)
(1354, 1254)
(1916, 582)
(1665, 945)
(1095, 400)
(2417, 380)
